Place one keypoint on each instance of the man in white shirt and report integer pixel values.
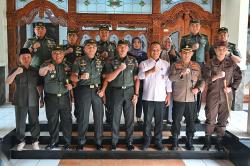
(156, 94)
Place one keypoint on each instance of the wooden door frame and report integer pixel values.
(154, 22)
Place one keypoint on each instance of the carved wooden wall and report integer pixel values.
(176, 19)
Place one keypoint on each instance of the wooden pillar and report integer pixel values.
(72, 23)
(156, 28)
(186, 21)
(216, 22)
(12, 45)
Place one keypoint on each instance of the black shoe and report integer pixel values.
(130, 146)
(220, 148)
(159, 146)
(51, 146)
(66, 146)
(175, 143)
(189, 143)
(197, 121)
(80, 147)
(113, 147)
(145, 146)
(99, 147)
(219, 145)
(207, 144)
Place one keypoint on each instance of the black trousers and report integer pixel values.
(108, 105)
(153, 109)
(199, 95)
(198, 105)
(21, 115)
(186, 109)
(122, 100)
(75, 93)
(165, 113)
(139, 102)
(58, 107)
(88, 97)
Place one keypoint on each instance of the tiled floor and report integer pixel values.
(237, 125)
(127, 162)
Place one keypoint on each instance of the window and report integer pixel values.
(168, 4)
(21, 3)
(62, 4)
(115, 6)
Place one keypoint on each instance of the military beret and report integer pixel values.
(123, 42)
(57, 48)
(104, 27)
(220, 43)
(194, 21)
(187, 49)
(71, 31)
(89, 41)
(39, 24)
(24, 51)
(222, 29)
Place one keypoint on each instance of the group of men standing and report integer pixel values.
(101, 72)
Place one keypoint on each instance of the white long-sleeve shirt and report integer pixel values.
(156, 85)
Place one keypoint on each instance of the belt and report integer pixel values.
(91, 86)
(123, 87)
(58, 94)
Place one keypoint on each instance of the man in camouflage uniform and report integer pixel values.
(87, 71)
(57, 99)
(222, 76)
(40, 47)
(186, 83)
(106, 51)
(200, 46)
(72, 51)
(121, 73)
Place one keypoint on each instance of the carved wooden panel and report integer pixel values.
(176, 19)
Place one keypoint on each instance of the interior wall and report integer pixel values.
(234, 16)
(3, 51)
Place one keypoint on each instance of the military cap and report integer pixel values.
(220, 43)
(187, 49)
(39, 24)
(24, 51)
(57, 48)
(89, 41)
(104, 27)
(194, 21)
(71, 31)
(222, 29)
(123, 42)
